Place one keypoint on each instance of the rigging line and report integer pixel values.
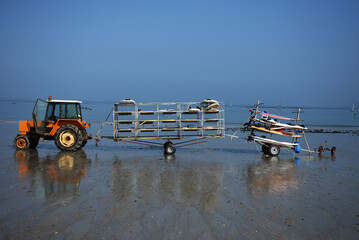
(305, 138)
(239, 128)
(255, 116)
(256, 144)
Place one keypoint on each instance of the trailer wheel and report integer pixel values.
(273, 150)
(68, 138)
(333, 150)
(22, 142)
(168, 142)
(170, 148)
(265, 149)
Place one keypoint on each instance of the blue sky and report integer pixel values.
(290, 52)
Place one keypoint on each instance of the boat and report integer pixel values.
(167, 111)
(275, 125)
(127, 102)
(209, 104)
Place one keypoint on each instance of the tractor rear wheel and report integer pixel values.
(84, 137)
(22, 142)
(68, 138)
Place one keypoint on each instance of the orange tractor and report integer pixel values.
(58, 120)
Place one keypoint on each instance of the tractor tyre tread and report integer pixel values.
(84, 137)
(24, 144)
(78, 141)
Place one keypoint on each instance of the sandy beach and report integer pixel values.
(221, 189)
(81, 71)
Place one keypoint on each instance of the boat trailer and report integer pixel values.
(269, 124)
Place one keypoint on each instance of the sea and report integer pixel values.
(235, 115)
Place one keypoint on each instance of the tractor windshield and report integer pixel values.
(39, 114)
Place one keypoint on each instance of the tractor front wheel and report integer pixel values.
(68, 138)
(22, 142)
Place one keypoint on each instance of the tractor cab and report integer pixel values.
(47, 113)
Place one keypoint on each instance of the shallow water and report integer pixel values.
(221, 189)
(235, 116)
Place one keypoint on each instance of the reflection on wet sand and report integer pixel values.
(272, 175)
(326, 156)
(51, 175)
(136, 196)
(171, 181)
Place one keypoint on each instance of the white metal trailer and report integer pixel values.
(142, 123)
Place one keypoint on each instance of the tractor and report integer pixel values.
(58, 120)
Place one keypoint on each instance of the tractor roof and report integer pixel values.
(63, 101)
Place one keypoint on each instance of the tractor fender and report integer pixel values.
(62, 122)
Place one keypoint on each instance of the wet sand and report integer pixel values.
(221, 189)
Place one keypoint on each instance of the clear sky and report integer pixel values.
(290, 52)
